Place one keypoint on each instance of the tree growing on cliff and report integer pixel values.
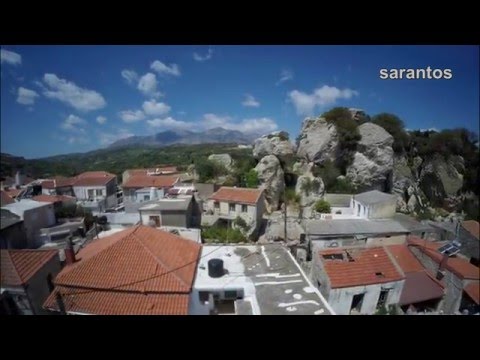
(251, 179)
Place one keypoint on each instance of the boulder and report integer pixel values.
(223, 159)
(276, 143)
(372, 165)
(440, 179)
(318, 141)
(275, 230)
(271, 176)
(310, 189)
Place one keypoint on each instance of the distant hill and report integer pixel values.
(212, 136)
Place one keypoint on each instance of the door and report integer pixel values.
(155, 219)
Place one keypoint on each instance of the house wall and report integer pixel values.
(376, 211)
(167, 218)
(37, 287)
(453, 284)
(344, 240)
(470, 245)
(386, 240)
(36, 219)
(13, 237)
(334, 243)
(341, 299)
(81, 192)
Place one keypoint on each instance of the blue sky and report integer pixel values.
(63, 99)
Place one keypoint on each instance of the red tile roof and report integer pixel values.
(237, 195)
(56, 182)
(13, 193)
(119, 303)
(405, 258)
(5, 199)
(420, 286)
(53, 198)
(18, 266)
(160, 169)
(473, 290)
(122, 268)
(95, 174)
(141, 181)
(472, 227)
(369, 266)
(459, 266)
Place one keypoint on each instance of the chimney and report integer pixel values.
(69, 252)
(18, 178)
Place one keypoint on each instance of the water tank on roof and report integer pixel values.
(215, 268)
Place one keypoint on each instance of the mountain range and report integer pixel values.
(216, 135)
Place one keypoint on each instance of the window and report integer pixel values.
(146, 197)
(231, 207)
(99, 192)
(382, 299)
(357, 303)
(244, 208)
(90, 193)
(203, 296)
(216, 204)
(231, 294)
(155, 220)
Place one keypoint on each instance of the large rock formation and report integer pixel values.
(223, 159)
(310, 189)
(373, 162)
(276, 143)
(275, 230)
(440, 179)
(270, 174)
(318, 141)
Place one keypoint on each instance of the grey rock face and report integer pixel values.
(277, 144)
(373, 162)
(318, 141)
(223, 159)
(271, 176)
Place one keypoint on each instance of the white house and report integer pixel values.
(228, 203)
(35, 215)
(374, 205)
(357, 280)
(96, 189)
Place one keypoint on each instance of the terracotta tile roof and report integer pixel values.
(160, 169)
(472, 227)
(93, 181)
(119, 303)
(420, 286)
(5, 199)
(18, 266)
(13, 192)
(405, 258)
(369, 266)
(141, 181)
(459, 266)
(56, 182)
(129, 264)
(237, 195)
(53, 198)
(95, 174)
(473, 290)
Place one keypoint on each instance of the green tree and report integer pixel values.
(395, 127)
(322, 206)
(251, 179)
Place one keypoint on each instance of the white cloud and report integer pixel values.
(165, 70)
(130, 76)
(285, 75)
(109, 138)
(170, 124)
(155, 108)
(148, 85)
(74, 124)
(202, 58)
(130, 116)
(71, 94)
(305, 103)
(10, 57)
(250, 101)
(26, 96)
(101, 120)
(78, 140)
(258, 126)
(430, 129)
